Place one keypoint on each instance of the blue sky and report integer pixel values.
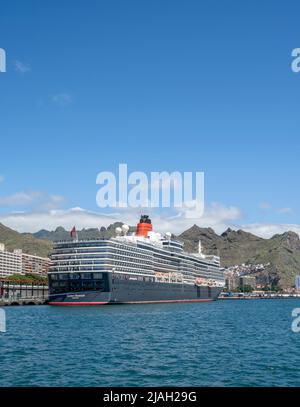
(161, 85)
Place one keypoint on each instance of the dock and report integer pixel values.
(260, 297)
(23, 293)
(22, 301)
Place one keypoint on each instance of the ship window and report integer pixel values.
(74, 276)
(98, 276)
(75, 286)
(58, 287)
(87, 285)
(86, 276)
(63, 276)
(99, 285)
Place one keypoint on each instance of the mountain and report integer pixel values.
(93, 233)
(282, 252)
(209, 239)
(234, 247)
(61, 234)
(28, 243)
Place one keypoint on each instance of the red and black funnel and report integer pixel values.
(144, 227)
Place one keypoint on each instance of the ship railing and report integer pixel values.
(81, 240)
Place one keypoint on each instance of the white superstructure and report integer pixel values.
(154, 257)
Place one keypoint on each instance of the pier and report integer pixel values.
(23, 292)
(265, 296)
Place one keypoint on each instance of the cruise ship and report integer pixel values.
(131, 268)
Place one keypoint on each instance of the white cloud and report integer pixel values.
(34, 221)
(269, 230)
(285, 210)
(265, 205)
(39, 200)
(21, 67)
(1, 178)
(57, 198)
(216, 216)
(19, 198)
(62, 99)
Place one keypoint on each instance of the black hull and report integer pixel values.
(125, 291)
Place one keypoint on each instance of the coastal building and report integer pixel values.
(10, 262)
(247, 281)
(246, 269)
(35, 264)
(17, 262)
(233, 282)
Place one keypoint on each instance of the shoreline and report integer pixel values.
(18, 303)
(260, 297)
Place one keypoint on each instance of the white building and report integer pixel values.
(10, 262)
(35, 264)
(17, 262)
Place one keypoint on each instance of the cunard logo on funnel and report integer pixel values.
(178, 190)
(2, 60)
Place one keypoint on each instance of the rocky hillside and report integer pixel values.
(234, 247)
(93, 233)
(237, 247)
(283, 254)
(28, 243)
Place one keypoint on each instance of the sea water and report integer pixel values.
(222, 343)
